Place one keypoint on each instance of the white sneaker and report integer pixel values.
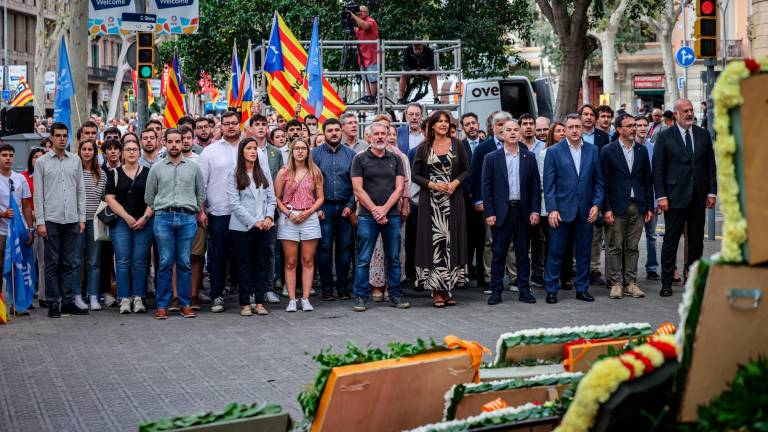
(306, 306)
(79, 303)
(125, 306)
(138, 305)
(513, 288)
(291, 306)
(271, 297)
(95, 303)
(218, 305)
(285, 292)
(109, 300)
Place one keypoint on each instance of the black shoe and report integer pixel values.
(666, 292)
(54, 311)
(399, 302)
(343, 295)
(328, 296)
(595, 278)
(70, 308)
(652, 275)
(360, 304)
(551, 298)
(494, 299)
(584, 296)
(526, 297)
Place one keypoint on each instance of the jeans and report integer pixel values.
(62, 280)
(91, 249)
(174, 232)
(271, 259)
(218, 252)
(252, 250)
(368, 231)
(651, 261)
(131, 258)
(338, 228)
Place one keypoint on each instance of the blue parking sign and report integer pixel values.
(6, 94)
(685, 56)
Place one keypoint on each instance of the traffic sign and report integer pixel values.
(680, 82)
(138, 22)
(6, 94)
(685, 56)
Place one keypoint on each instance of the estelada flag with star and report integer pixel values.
(284, 66)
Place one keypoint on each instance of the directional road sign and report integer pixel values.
(138, 22)
(6, 94)
(685, 56)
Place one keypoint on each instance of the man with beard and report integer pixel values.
(203, 134)
(335, 161)
(528, 134)
(216, 161)
(175, 192)
(685, 181)
(542, 128)
(377, 180)
(149, 153)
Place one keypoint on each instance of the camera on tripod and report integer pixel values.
(349, 7)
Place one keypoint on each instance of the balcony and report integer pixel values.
(105, 74)
(731, 48)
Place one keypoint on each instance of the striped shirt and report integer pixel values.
(94, 192)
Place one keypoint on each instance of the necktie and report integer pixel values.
(688, 143)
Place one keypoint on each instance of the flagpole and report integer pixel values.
(77, 106)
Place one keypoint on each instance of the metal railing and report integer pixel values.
(355, 76)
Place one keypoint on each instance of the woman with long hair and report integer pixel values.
(252, 203)
(132, 234)
(440, 165)
(38, 244)
(95, 181)
(378, 273)
(555, 135)
(299, 188)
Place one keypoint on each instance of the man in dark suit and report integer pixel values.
(410, 135)
(686, 183)
(475, 229)
(627, 207)
(493, 143)
(593, 135)
(511, 203)
(573, 194)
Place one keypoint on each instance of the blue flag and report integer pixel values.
(315, 72)
(273, 60)
(65, 89)
(19, 269)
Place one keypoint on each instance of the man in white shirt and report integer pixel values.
(14, 183)
(216, 161)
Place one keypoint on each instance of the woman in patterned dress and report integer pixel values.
(439, 168)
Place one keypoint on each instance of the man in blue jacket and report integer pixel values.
(573, 194)
(627, 207)
(511, 203)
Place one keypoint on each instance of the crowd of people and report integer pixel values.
(431, 206)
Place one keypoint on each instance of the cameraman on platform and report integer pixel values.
(366, 29)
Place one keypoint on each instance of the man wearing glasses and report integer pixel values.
(542, 128)
(60, 217)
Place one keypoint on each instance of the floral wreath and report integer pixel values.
(726, 96)
(608, 374)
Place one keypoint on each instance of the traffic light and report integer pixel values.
(705, 29)
(145, 55)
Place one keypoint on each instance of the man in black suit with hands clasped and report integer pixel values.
(685, 184)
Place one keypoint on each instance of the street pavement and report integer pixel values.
(108, 372)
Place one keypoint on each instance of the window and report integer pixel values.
(95, 55)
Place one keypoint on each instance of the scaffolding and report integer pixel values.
(350, 75)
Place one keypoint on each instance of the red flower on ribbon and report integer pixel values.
(752, 65)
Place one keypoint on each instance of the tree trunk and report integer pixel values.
(608, 44)
(570, 79)
(668, 62)
(117, 87)
(79, 43)
(585, 84)
(41, 58)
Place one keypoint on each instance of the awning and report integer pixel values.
(649, 92)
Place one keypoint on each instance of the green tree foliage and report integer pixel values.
(485, 29)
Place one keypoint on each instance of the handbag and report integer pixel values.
(413, 190)
(101, 228)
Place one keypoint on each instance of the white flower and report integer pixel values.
(442, 426)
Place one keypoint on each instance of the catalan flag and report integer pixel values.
(233, 93)
(174, 96)
(284, 66)
(246, 87)
(23, 94)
